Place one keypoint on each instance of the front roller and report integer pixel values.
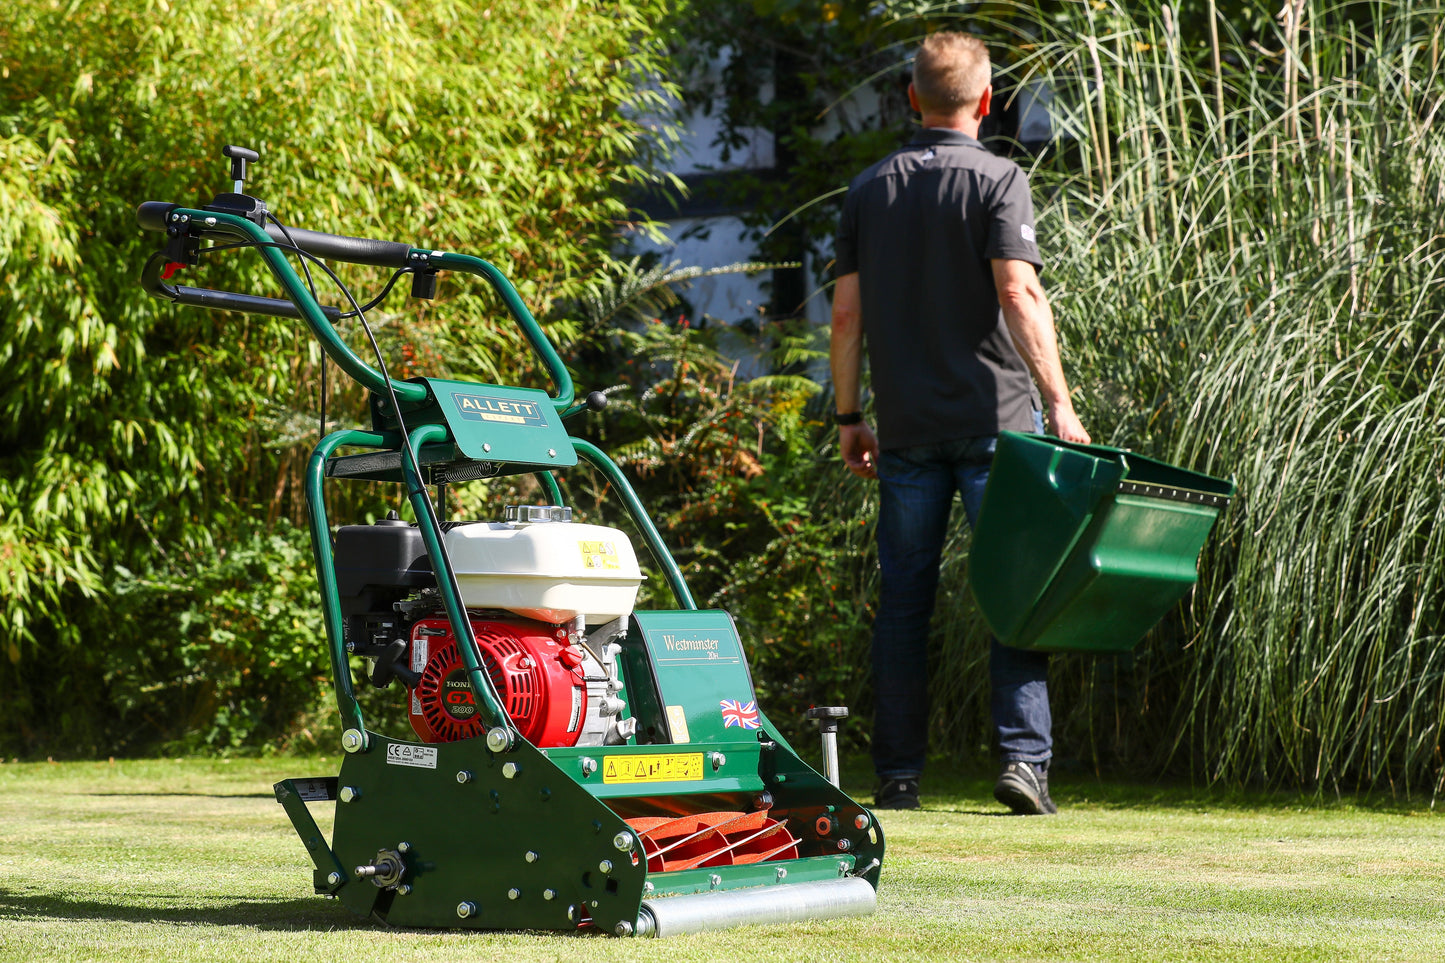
(847, 896)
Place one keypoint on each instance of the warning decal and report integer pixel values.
(677, 722)
(599, 555)
(667, 767)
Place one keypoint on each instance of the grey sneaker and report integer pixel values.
(1024, 788)
(897, 794)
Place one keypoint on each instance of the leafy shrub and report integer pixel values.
(132, 433)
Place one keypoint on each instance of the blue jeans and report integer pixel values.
(916, 488)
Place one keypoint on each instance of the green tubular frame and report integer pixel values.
(609, 468)
(346, 702)
(415, 393)
(548, 483)
(407, 392)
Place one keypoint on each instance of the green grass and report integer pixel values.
(193, 860)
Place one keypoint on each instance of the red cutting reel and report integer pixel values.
(712, 839)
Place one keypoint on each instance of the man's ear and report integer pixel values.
(985, 101)
(913, 99)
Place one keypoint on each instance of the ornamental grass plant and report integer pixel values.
(1240, 210)
(1246, 254)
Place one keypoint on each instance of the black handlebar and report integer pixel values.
(150, 280)
(152, 216)
(338, 247)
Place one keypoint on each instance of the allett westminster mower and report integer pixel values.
(574, 762)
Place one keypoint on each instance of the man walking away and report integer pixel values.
(937, 274)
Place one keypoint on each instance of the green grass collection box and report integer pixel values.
(1086, 547)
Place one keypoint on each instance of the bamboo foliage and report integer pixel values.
(149, 454)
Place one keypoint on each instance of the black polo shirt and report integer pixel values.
(920, 227)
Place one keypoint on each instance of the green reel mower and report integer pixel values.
(574, 762)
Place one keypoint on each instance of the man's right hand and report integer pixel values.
(1066, 425)
(860, 449)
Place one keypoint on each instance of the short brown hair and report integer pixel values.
(950, 72)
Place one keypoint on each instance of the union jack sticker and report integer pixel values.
(735, 713)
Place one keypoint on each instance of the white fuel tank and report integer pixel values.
(543, 567)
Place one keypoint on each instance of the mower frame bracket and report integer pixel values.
(292, 795)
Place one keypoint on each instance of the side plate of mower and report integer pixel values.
(574, 762)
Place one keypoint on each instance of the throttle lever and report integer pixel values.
(239, 158)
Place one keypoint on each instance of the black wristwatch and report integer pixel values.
(847, 417)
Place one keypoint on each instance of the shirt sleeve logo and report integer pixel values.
(1027, 230)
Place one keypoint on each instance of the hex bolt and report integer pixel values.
(403, 889)
(572, 912)
(861, 821)
(605, 866)
(210, 222)
(842, 867)
(647, 887)
(549, 894)
(353, 740)
(486, 446)
(403, 847)
(465, 776)
(714, 881)
(718, 760)
(334, 879)
(623, 928)
(510, 770)
(782, 874)
(589, 765)
(499, 739)
(623, 841)
(466, 909)
(551, 453)
(844, 845)
(531, 856)
(349, 794)
(514, 893)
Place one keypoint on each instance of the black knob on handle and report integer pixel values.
(596, 400)
(240, 156)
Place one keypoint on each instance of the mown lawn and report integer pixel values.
(193, 860)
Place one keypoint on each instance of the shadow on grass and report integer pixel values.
(271, 914)
(278, 915)
(192, 795)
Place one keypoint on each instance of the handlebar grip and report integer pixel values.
(152, 215)
(338, 247)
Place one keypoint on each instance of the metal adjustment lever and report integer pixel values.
(827, 718)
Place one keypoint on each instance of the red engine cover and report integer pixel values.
(537, 676)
